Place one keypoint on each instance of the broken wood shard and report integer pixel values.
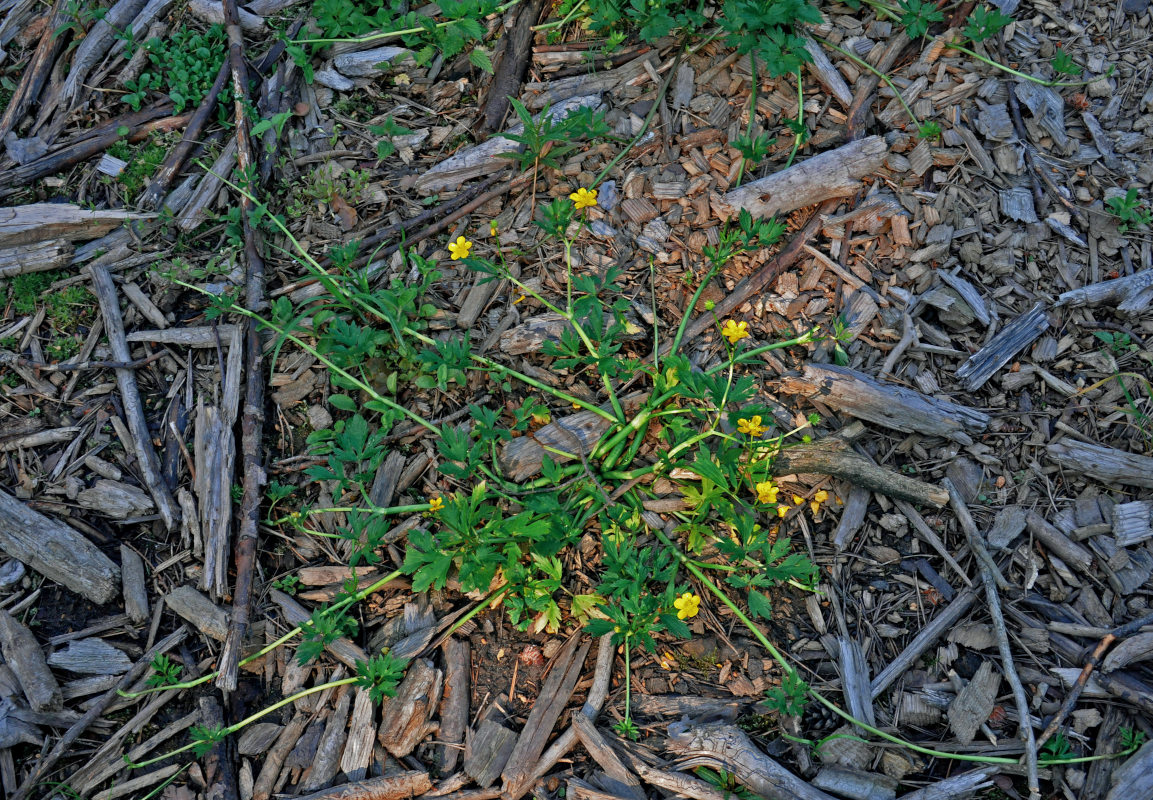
(57, 552)
(1103, 463)
(1009, 341)
(37, 222)
(833, 173)
(893, 406)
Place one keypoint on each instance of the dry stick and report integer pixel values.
(105, 292)
(990, 575)
(252, 420)
(1115, 635)
(509, 73)
(45, 764)
(37, 72)
(168, 171)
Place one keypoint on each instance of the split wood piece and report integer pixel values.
(37, 69)
(834, 173)
(108, 759)
(1103, 463)
(579, 790)
(554, 695)
(854, 671)
(327, 761)
(1132, 523)
(752, 285)
(36, 257)
(173, 162)
(214, 451)
(215, 13)
(892, 406)
(598, 692)
(26, 660)
(1007, 343)
(400, 786)
(252, 419)
(45, 765)
(149, 464)
(37, 222)
(554, 92)
(931, 538)
(96, 43)
(510, 71)
(834, 456)
(955, 786)
(269, 771)
(1131, 294)
(229, 336)
(1059, 544)
(1134, 778)
(407, 718)
(618, 780)
(486, 752)
(196, 609)
(195, 209)
(941, 624)
(454, 703)
(972, 705)
(852, 516)
(973, 536)
(141, 124)
(846, 782)
(577, 434)
(679, 783)
(57, 552)
(728, 748)
(684, 705)
(827, 73)
(343, 650)
(92, 656)
(358, 746)
(530, 336)
(866, 85)
(484, 158)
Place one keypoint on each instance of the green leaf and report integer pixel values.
(343, 402)
(480, 59)
(760, 605)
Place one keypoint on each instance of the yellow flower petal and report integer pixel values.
(583, 198)
(459, 249)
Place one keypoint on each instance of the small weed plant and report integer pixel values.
(1130, 210)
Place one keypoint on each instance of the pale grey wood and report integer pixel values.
(487, 751)
(972, 705)
(595, 82)
(357, 753)
(398, 786)
(327, 761)
(57, 551)
(256, 738)
(893, 406)
(854, 671)
(101, 38)
(363, 64)
(1007, 526)
(454, 703)
(1103, 463)
(214, 452)
(148, 463)
(956, 787)
(845, 782)
(37, 257)
(852, 516)
(207, 617)
(1130, 294)
(135, 585)
(1065, 548)
(827, 73)
(37, 222)
(1009, 341)
(212, 12)
(270, 769)
(1134, 778)
(1132, 522)
(91, 657)
(115, 499)
(937, 627)
(833, 173)
(195, 210)
(26, 660)
(407, 718)
(1135, 648)
(618, 779)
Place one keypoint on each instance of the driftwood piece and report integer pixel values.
(26, 660)
(1061, 545)
(486, 752)
(485, 157)
(56, 551)
(115, 499)
(680, 784)
(270, 770)
(831, 174)
(941, 624)
(588, 83)
(554, 696)
(889, 405)
(1103, 463)
(214, 451)
(833, 456)
(35, 257)
(728, 748)
(95, 44)
(827, 73)
(406, 718)
(38, 222)
(400, 786)
(149, 464)
(618, 780)
(1009, 341)
(510, 71)
(1132, 523)
(971, 707)
(357, 753)
(852, 516)
(956, 787)
(135, 585)
(91, 657)
(845, 782)
(1134, 778)
(855, 686)
(327, 761)
(454, 703)
(190, 605)
(213, 12)
(1130, 294)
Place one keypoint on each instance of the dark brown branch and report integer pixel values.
(252, 420)
(510, 72)
(37, 72)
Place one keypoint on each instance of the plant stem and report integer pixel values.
(992, 63)
(384, 35)
(752, 116)
(799, 134)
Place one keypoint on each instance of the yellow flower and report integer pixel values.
(798, 500)
(818, 498)
(687, 605)
(492, 228)
(583, 198)
(459, 249)
(752, 427)
(767, 492)
(735, 331)
(435, 504)
(782, 511)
